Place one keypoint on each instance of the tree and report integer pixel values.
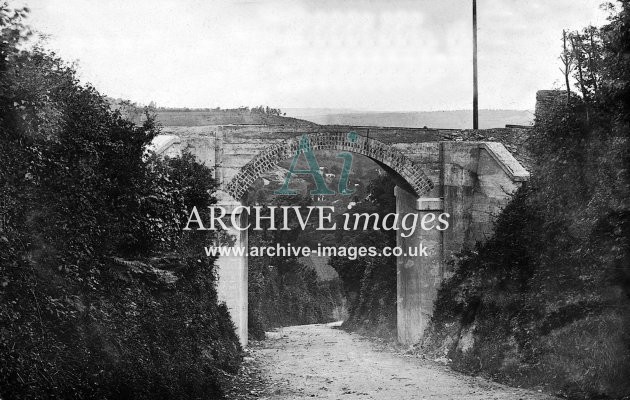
(584, 56)
(567, 63)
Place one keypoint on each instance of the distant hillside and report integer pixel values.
(459, 119)
(207, 116)
(309, 117)
(183, 117)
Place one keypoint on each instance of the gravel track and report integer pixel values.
(319, 361)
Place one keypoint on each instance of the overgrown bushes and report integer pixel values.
(78, 199)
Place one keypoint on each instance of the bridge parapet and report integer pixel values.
(228, 148)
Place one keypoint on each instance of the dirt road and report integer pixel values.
(317, 361)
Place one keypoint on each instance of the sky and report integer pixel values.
(356, 54)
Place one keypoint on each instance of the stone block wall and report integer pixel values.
(474, 181)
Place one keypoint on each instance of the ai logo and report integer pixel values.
(321, 189)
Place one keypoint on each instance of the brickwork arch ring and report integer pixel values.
(380, 152)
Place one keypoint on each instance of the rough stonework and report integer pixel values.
(411, 172)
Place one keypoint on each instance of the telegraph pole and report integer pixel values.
(475, 95)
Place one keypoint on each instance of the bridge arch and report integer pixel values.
(385, 155)
(473, 181)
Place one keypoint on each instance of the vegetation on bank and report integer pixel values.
(545, 302)
(102, 295)
(370, 282)
(282, 291)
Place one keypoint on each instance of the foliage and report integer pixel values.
(264, 110)
(370, 282)
(582, 54)
(547, 298)
(282, 291)
(77, 192)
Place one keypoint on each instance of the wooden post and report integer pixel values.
(475, 94)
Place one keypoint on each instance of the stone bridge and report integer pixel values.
(470, 180)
